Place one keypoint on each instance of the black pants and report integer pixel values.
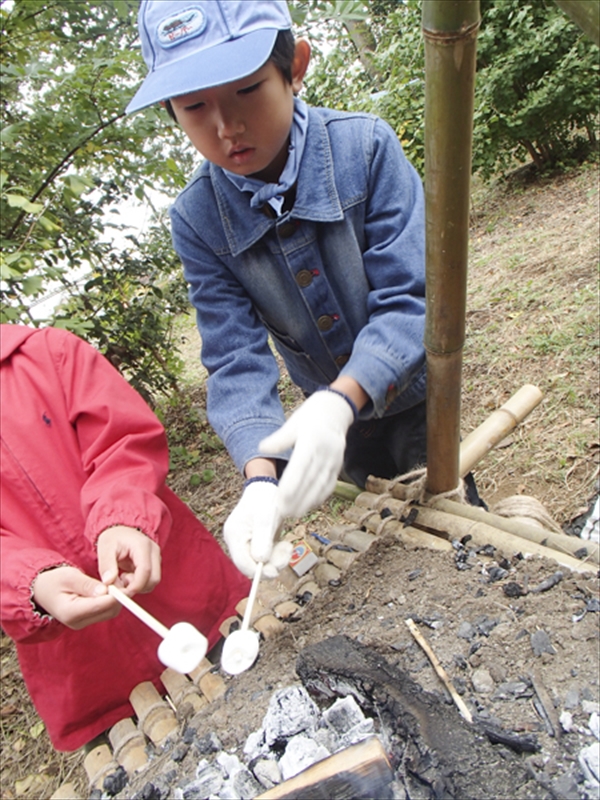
(391, 446)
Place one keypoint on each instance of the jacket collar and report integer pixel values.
(12, 337)
(317, 198)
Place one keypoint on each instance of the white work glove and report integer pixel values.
(317, 432)
(251, 527)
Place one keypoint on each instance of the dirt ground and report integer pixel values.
(532, 318)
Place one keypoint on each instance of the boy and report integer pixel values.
(303, 224)
(84, 504)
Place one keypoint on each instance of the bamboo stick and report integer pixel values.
(439, 670)
(450, 33)
(480, 441)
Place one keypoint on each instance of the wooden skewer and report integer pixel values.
(441, 672)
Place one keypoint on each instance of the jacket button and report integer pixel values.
(287, 229)
(304, 278)
(342, 360)
(325, 323)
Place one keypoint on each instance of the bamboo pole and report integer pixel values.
(496, 427)
(479, 442)
(586, 14)
(450, 31)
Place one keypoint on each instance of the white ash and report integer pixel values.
(293, 736)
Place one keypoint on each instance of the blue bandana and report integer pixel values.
(272, 193)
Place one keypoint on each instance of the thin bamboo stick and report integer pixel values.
(439, 670)
(450, 32)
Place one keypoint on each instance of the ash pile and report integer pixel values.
(295, 734)
(358, 727)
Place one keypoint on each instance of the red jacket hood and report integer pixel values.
(12, 337)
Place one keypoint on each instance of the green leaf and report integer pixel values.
(78, 184)
(32, 285)
(48, 225)
(18, 201)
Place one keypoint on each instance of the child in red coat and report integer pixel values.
(83, 505)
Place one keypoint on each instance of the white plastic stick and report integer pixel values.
(138, 611)
(252, 597)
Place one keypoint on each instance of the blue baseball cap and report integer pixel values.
(190, 45)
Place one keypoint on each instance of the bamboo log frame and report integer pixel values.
(451, 526)
(557, 541)
(450, 32)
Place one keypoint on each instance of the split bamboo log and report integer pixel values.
(557, 541)
(155, 717)
(99, 763)
(229, 624)
(263, 621)
(307, 590)
(342, 559)
(451, 527)
(210, 684)
(353, 537)
(129, 746)
(450, 34)
(182, 690)
(287, 610)
(327, 574)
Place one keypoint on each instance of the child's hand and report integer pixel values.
(317, 432)
(73, 598)
(131, 556)
(250, 529)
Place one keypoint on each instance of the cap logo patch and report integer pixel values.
(178, 28)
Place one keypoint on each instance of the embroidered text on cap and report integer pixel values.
(178, 28)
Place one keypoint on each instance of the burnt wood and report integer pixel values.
(436, 754)
(360, 772)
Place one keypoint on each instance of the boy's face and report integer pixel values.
(243, 126)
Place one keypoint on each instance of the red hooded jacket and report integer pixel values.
(80, 452)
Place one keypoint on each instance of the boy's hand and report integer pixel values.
(73, 598)
(250, 529)
(131, 556)
(317, 432)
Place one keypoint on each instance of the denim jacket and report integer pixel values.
(337, 282)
